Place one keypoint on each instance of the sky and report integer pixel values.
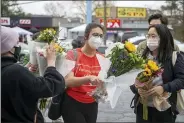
(38, 7)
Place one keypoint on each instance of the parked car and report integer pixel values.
(180, 45)
(138, 39)
(124, 36)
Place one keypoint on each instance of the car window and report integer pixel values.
(129, 35)
(137, 42)
(177, 42)
(102, 50)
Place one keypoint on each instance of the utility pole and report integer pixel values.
(105, 22)
(89, 11)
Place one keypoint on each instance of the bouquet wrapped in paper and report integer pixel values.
(42, 62)
(145, 80)
(45, 37)
(120, 64)
(64, 65)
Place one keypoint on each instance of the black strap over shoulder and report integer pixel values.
(133, 99)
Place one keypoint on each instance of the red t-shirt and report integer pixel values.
(84, 66)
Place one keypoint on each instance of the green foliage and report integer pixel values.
(11, 8)
(43, 103)
(26, 59)
(47, 35)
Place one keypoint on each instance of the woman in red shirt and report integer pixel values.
(78, 106)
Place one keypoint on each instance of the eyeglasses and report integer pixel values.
(152, 36)
(97, 35)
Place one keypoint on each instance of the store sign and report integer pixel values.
(24, 21)
(99, 12)
(131, 12)
(112, 23)
(5, 21)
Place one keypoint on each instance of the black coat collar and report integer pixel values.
(7, 60)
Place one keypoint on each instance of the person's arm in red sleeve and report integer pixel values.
(71, 80)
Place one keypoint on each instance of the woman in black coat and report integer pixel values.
(160, 47)
(20, 88)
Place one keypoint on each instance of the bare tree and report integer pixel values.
(174, 9)
(61, 8)
(81, 7)
(170, 7)
(55, 8)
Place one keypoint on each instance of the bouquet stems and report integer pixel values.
(145, 110)
(43, 103)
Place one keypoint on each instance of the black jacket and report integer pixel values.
(21, 90)
(173, 79)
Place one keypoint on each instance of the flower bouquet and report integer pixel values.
(45, 37)
(146, 80)
(42, 63)
(120, 63)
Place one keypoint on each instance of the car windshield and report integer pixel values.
(129, 35)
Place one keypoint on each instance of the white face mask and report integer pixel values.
(153, 44)
(95, 42)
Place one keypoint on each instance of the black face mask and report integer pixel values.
(17, 52)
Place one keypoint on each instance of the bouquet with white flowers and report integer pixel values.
(120, 64)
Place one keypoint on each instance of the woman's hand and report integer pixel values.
(158, 90)
(143, 93)
(31, 67)
(51, 55)
(94, 80)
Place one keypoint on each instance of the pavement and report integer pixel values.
(122, 112)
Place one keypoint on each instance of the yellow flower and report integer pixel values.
(147, 72)
(130, 47)
(58, 48)
(153, 65)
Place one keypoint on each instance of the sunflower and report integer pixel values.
(130, 47)
(153, 65)
(147, 72)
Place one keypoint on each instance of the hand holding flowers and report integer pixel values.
(146, 88)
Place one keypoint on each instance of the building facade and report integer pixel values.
(40, 22)
(120, 19)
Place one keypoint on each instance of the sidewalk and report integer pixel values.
(122, 112)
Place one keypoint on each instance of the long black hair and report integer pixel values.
(166, 46)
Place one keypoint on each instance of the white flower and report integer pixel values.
(50, 32)
(119, 45)
(63, 53)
